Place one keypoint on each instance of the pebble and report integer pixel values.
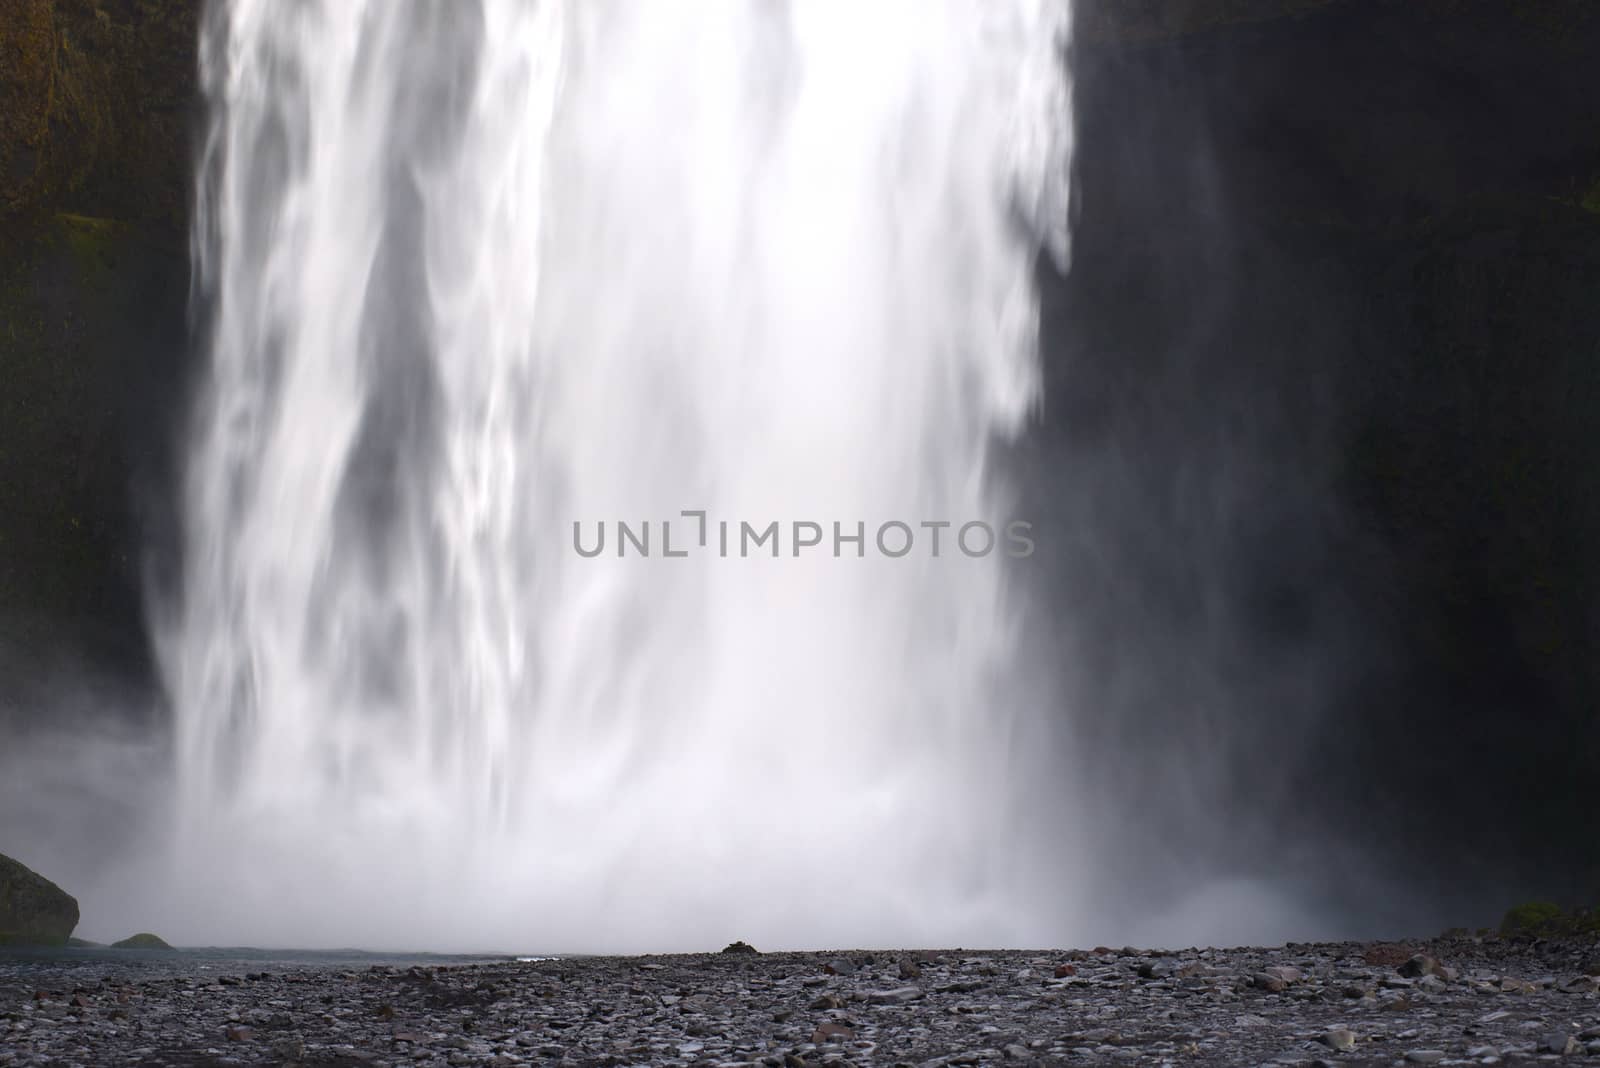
(1203, 1008)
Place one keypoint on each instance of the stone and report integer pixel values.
(910, 969)
(1424, 1056)
(1340, 1039)
(831, 1032)
(1270, 983)
(1063, 971)
(711, 1009)
(1385, 955)
(1558, 1042)
(1419, 965)
(291, 1049)
(33, 910)
(740, 947)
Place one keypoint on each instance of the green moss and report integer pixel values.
(94, 107)
(143, 940)
(1533, 917)
(11, 938)
(1543, 919)
(92, 242)
(1590, 201)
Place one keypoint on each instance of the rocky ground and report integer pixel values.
(1445, 1002)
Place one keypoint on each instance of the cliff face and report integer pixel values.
(1323, 381)
(1320, 386)
(97, 100)
(33, 910)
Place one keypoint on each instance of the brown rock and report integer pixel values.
(28, 33)
(1419, 965)
(1387, 955)
(831, 1032)
(1270, 983)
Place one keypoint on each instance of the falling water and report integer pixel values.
(480, 270)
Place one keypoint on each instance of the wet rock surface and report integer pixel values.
(1484, 1002)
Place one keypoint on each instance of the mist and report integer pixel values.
(1288, 380)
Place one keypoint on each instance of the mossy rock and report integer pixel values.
(143, 940)
(1544, 919)
(33, 910)
(95, 106)
(1533, 917)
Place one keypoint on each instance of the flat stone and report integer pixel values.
(1340, 1039)
(832, 1032)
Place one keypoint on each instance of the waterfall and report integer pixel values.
(483, 280)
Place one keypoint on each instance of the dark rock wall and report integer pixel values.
(33, 910)
(1320, 431)
(97, 105)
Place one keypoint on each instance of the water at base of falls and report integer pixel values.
(481, 270)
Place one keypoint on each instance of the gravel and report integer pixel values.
(1471, 1002)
